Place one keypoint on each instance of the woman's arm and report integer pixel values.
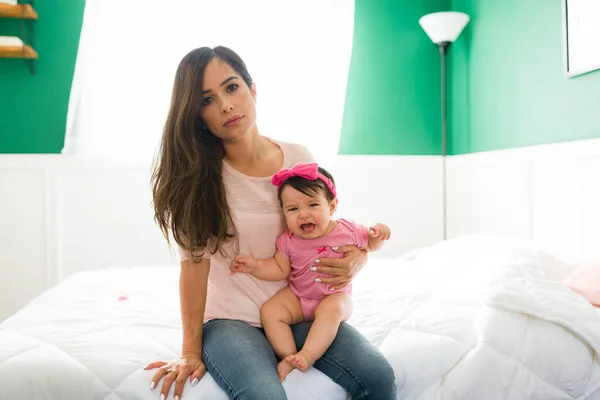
(193, 286)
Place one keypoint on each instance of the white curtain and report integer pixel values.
(297, 52)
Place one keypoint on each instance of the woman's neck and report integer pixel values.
(254, 155)
(246, 152)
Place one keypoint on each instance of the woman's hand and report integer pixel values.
(189, 365)
(344, 269)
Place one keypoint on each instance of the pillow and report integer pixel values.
(586, 282)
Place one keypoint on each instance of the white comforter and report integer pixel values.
(479, 317)
(482, 317)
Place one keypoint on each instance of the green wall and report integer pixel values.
(506, 83)
(33, 109)
(508, 87)
(393, 96)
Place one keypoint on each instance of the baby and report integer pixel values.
(308, 198)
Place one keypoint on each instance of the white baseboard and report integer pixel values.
(62, 214)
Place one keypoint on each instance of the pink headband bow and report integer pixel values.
(307, 171)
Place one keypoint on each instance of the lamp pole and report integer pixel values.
(443, 28)
(443, 46)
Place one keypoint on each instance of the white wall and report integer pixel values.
(62, 214)
(59, 215)
(547, 193)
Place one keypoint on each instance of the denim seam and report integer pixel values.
(221, 376)
(348, 372)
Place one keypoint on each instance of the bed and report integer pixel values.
(476, 317)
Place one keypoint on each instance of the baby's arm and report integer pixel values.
(275, 268)
(378, 234)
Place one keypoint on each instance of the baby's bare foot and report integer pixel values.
(284, 368)
(302, 360)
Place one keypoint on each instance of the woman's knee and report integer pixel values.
(380, 383)
(264, 387)
(364, 372)
(374, 381)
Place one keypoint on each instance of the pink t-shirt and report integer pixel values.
(303, 252)
(259, 221)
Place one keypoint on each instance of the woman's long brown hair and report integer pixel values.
(187, 183)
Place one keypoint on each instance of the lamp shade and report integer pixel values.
(444, 26)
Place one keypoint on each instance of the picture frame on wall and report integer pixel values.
(581, 36)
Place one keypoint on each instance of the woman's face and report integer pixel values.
(228, 105)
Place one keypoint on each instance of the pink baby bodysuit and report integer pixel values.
(302, 254)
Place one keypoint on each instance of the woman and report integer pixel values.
(212, 189)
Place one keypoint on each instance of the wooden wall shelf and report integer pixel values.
(24, 11)
(27, 14)
(18, 52)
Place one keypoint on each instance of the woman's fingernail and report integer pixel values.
(313, 268)
(152, 385)
(318, 280)
(162, 396)
(176, 397)
(317, 261)
(332, 289)
(195, 382)
(335, 247)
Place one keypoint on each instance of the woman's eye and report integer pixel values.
(233, 87)
(207, 101)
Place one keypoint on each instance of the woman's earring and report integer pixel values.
(203, 130)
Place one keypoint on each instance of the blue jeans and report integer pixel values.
(351, 361)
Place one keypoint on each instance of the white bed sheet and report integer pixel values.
(475, 317)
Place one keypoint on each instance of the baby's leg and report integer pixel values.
(331, 311)
(276, 315)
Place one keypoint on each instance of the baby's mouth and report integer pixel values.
(307, 228)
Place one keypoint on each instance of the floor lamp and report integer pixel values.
(443, 28)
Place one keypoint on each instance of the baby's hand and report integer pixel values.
(380, 231)
(244, 264)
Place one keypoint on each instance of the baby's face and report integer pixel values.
(308, 217)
